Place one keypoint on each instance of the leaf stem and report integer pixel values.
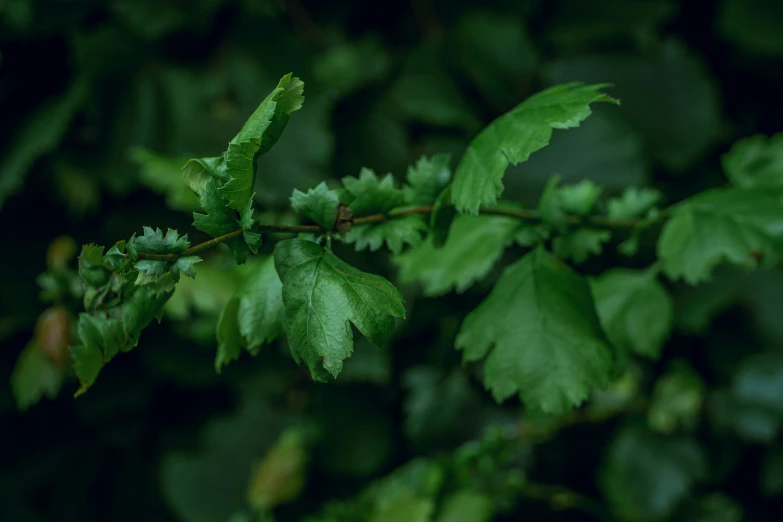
(528, 215)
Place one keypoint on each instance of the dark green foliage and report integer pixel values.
(511, 302)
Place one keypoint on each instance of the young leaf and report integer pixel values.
(405, 230)
(635, 310)
(318, 204)
(721, 225)
(371, 195)
(220, 220)
(540, 334)
(513, 137)
(254, 314)
(580, 244)
(323, 295)
(634, 202)
(473, 246)
(580, 198)
(756, 161)
(153, 242)
(236, 167)
(427, 179)
(106, 332)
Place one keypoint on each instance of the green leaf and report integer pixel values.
(228, 336)
(254, 314)
(580, 198)
(221, 462)
(634, 202)
(34, 376)
(473, 246)
(318, 204)
(163, 175)
(405, 230)
(323, 295)
(153, 242)
(736, 226)
(580, 244)
(280, 476)
(406, 509)
(40, 135)
(550, 206)
(427, 179)
(635, 310)
(236, 167)
(116, 328)
(220, 220)
(756, 161)
(513, 137)
(676, 399)
(553, 363)
(645, 475)
(466, 506)
(371, 195)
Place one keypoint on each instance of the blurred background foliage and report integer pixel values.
(102, 102)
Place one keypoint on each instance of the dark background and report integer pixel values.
(161, 437)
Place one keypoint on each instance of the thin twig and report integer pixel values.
(530, 216)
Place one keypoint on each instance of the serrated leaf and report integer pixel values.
(236, 167)
(110, 330)
(645, 475)
(580, 244)
(153, 242)
(552, 363)
(513, 137)
(634, 202)
(318, 204)
(254, 314)
(35, 376)
(473, 246)
(635, 310)
(734, 226)
(397, 232)
(323, 295)
(427, 179)
(371, 195)
(220, 220)
(756, 161)
(580, 198)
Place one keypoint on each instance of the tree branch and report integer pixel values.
(528, 215)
